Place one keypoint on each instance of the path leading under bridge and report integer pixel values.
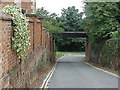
(72, 72)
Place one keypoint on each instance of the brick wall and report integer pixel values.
(24, 4)
(41, 54)
(6, 2)
(27, 6)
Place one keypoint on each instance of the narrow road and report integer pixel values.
(72, 72)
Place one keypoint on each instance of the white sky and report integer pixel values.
(56, 5)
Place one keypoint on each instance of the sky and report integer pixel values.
(55, 6)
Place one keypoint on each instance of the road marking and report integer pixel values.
(47, 79)
(115, 75)
(46, 84)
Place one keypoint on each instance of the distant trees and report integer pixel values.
(70, 20)
(50, 21)
(41, 12)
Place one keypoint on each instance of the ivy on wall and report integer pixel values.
(21, 37)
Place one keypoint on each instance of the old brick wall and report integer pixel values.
(31, 26)
(25, 4)
(15, 74)
(6, 2)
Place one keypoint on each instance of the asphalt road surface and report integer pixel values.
(72, 72)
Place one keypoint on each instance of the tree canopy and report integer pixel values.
(71, 18)
(72, 22)
(50, 21)
(41, 12)
(101, 22)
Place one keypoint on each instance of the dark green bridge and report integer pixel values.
(73, 34)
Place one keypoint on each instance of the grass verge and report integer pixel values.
(58, 54)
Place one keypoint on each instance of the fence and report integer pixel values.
(41, 54)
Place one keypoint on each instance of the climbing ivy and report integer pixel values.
(21, 37)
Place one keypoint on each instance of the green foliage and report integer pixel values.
(52, 25)
(101, 22)
(109, 54)
(41, 12)
(70, 44)
(50, 21)
(72, 19)
(69, 21)
(21, 37)
(59, 54)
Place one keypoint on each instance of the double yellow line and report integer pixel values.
(47, 79)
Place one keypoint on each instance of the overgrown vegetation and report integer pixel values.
(103, 27)
(21, 37)
(70, 20)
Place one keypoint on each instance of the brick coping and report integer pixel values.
(5, 16)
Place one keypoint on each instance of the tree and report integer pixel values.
(53, 15)
(52, 25)
(103, 28)
(41, 12)
(56, 24)
(50, 22)
(101, 22)
(72, 19)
